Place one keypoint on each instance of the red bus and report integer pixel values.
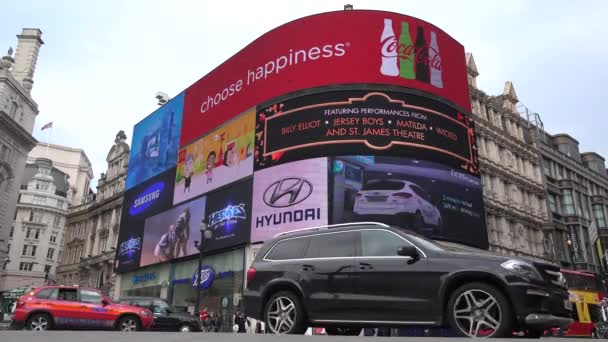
(585, 294)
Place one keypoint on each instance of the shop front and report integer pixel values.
(221, 285)
(147, 282)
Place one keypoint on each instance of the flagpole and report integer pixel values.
(48, 141)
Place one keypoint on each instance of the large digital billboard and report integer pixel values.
(289, 196)
(228, 213)
(171, 234)
(147, 199)
(364, 122)
(155, 142)
(341, 47)
(429, 198)
(221, 157)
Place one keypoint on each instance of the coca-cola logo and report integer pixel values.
(420, 54)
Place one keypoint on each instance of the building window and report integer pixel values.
(53, 238)
(552, 203)
(47, 268)
(26, 266)
(43, 186)
(5, 153)
(598, 213)
(12, 232)
(568, 202)
(8, 248)
(50, 253)
(24, 250)
(57, 221)
(12, 111)
(60, 203)
(33, 250)
(36, 216)
(36, 234)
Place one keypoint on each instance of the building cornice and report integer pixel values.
(17, 132)
(7, 78)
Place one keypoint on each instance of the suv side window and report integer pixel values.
(288, 249)
(333, 245)
(47, 294)
(89, 296)
(420, 192)
(68, 294)
(380, 243)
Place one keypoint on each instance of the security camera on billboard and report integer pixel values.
(374, 122)
(155, 142)
(171, 234)
(219, 158)
(289, 196)
(429, 198)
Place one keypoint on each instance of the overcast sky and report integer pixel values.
(103, 61)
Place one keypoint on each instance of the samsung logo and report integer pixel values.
(146, 198)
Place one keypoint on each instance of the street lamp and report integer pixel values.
(206, 234)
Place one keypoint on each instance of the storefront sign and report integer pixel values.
(204, 278)
(141, 278)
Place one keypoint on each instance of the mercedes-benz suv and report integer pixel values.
(349, 276)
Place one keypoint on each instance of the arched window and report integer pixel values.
(12, 111)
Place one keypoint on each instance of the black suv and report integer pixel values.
(349, 276)
(166, 318)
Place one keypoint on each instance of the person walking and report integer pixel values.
(241, 322)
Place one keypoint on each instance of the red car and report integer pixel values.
(71, 307)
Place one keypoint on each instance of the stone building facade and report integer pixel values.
(92, 227)
(36, 237)
(18, 113)
(510, 162)
(74, 162)
(577, 197)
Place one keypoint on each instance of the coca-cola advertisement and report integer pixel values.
(343, 47)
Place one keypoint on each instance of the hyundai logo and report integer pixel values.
(287, 192)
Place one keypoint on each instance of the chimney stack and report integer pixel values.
(28, 46)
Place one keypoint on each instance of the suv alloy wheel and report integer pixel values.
(479, 310)
(129, 323)
(284, 314)
(39, 322)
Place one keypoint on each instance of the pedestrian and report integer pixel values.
(241, 322)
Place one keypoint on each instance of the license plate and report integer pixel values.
(377, 198)
(568, 304)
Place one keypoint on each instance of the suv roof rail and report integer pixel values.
(332, 226)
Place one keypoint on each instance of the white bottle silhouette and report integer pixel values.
(434, 59)
(389, 58)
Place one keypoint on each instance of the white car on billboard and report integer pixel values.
(401, 199)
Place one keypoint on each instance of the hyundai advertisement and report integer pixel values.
(429, 198)
(289, 196)
(155, 142)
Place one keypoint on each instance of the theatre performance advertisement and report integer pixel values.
(171, 234)
(145, 200)
(221, 157)
(345, 47)
(228, 213)
(364, 122)
(432, 199)
(155, 142)
(289, 196)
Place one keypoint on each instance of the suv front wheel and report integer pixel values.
(480, 310)
(284, 314)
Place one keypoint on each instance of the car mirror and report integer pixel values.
(105, 302)
(408, 251)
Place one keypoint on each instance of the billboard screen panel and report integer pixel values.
(288, 197)
(432, 199)
(221, 157)
(155, 142)
(345, 47)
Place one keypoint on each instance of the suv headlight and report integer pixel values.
(522, 268)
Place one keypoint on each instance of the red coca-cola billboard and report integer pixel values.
(344, 47)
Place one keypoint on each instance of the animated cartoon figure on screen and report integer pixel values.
(231, 156)
(165, 248)
(210, 166)
(182, 232)
(188, 169)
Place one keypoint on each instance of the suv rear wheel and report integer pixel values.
(39, 322)
(284, 314)
(479, 310)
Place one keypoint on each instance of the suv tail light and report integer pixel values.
(250, 274)
(402, 194)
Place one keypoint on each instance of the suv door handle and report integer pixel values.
(365, 266)
(308, 268)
